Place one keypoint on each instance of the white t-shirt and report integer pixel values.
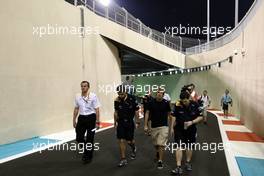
(166, 97)
(194, 96)
(87, 105)
(206, 100)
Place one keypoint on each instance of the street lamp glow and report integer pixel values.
(105, 2)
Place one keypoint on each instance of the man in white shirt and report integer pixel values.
(206, 103)
(167, 97)
(87, 106)
(194, 95)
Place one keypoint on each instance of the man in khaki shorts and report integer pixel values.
(158, 111)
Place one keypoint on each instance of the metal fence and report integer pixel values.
(185, 45)
(119, 15)
(228, 37)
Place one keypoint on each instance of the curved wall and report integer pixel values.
(244, 77)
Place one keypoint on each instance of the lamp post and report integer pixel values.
(236, 12)
(208, 21)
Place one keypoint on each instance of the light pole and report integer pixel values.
(236, 12)
(208, 21)
(199, 45)
(180, 43)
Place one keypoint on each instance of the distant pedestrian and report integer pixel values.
(225, 101)
(206, 101)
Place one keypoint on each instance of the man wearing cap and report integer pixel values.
(126, 108)
(185, 116)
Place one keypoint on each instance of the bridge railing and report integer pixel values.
(229, 36)
(119, 15)
(185, 45)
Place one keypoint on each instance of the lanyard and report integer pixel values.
(86, 99)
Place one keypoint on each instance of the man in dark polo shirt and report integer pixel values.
(126, 108)
(145, 101)
(158, 111)
(186, 114)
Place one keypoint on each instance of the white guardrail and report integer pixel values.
(229, 36)
(120, 15)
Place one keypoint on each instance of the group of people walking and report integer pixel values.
(161, 121)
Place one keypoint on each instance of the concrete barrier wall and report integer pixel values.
(245, 76)
(40, 75)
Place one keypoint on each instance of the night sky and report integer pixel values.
(159, 14)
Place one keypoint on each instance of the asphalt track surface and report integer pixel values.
(68, 163)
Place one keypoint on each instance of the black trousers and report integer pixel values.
(225, 106)
(86, 124)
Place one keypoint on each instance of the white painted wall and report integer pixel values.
(244, 77)
(40, 76)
